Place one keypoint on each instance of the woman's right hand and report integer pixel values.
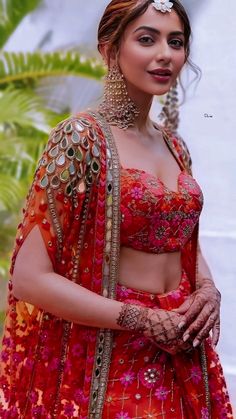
(161, 327)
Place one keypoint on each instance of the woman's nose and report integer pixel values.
(163, 52)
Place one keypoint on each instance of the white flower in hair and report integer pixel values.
(163, 5)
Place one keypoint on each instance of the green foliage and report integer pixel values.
(27, 68)
(25, 120)
(11, 14)
(24, 108)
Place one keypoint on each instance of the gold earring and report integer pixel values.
(117, 107)
(169, 115)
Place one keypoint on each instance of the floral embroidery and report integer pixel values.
(122, 415)
(161, 393)
(136, 192)
(196, 375)
(140, 343)
(159, 234)
(155, 219)
(77, 350)
(69, 409)
(127, 378)
(205, 413)
(111, 398)
(151, 414)
(122, 291)
(150, 375)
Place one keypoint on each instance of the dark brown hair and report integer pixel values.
(119, 13)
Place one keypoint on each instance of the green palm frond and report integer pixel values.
(14, 148)
(7, 231)
(11, 192)
(11, 14)
(24, 108)
(26, 68)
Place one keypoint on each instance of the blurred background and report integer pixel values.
(49, 68)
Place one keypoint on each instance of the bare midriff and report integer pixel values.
(154, 273)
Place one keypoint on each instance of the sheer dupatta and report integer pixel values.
(51, 367)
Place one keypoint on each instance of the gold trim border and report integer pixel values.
(110, 272)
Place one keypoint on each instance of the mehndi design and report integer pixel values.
(133, 317)
(160, 327)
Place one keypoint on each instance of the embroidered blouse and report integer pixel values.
(154, 218)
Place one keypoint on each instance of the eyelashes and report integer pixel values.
(148, 40)
(177, 43)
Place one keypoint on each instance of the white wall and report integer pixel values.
(213, 145)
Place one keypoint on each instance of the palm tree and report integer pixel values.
(25, 118)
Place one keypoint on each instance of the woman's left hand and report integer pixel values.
(201, 312)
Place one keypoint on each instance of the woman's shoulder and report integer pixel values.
(82, 122)
(73, 152)
(181, 148)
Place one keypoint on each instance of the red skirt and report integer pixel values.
(145, 382)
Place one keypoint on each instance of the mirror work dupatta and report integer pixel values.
(75, 202)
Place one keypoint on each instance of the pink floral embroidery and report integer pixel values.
(205, 413)
(151, 414)
(38, 411)
(54, 364)
(161, 393)
(136, 192)
(196, 375)
(127, 378)
(79, 396)
(33, 396)
(155, 219)
(151, 375)
(139, 343)
(4, 356)
(176, 294)
(122, 291)
(69, 409)
(186, 229)
(122, 415)
(77, 350)
(160, 232)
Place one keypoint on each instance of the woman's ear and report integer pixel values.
(109, 55)
(103, 49)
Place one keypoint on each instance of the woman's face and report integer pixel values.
(151, 45)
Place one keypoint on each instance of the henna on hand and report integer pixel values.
(133, 317)
(202, 313)
(160, 326)
(162, 329)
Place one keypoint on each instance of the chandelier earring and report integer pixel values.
(117, 107)
(169, 115)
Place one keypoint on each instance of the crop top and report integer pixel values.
(155, 219)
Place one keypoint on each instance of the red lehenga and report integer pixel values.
(51, 368)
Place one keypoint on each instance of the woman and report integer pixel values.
(109, 311)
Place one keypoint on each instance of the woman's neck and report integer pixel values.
(142, 122)
(138, 124)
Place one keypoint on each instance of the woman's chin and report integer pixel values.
(161, 90)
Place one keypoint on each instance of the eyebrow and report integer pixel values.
(156, 31)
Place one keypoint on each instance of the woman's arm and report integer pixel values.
(203, 269)
(202, 309)
(35, 282)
